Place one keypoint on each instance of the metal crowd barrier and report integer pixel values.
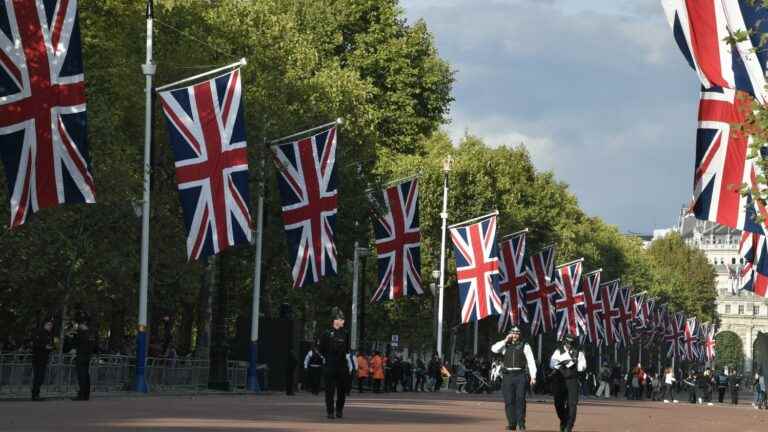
(113, 373)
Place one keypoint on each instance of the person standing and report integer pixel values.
(668, 383)
(313, 369)
(435, 372)
(734, 381)
(42, 344)
(421, 371)
(566, 362)
(334, 346)
(518, 369)
(377, 370)
(722, 385)
(363, 371)
(86, 340)
(604, 389)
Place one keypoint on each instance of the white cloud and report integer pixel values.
(595, 88)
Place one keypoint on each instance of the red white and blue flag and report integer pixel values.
(398, 243)
(569, 299)
(708, 333)
(703, 30)
(624, 300)
(308, 195)
(541, 289)
(512, 281)
(206, 129)
(477, 267)
(43, 136)
(753, 274)
(690, 348)
(593, 306)
(675, 334)
(722, 164)
(609, 293)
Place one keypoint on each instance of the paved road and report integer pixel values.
(444, 412)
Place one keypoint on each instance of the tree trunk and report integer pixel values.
(204, 312)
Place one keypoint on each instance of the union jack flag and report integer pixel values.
(206, 130)
(722, 165)
(540, 272)
(662, 321)
(753, 273)
(477, 268)
(609, 291)
(43, 137)
(593, 306)
(708, 332)
(308, 196)
(642, 312)
(675, 334)
(512, 282)
(624, 302)
(398, 243)
(690, 346)
(569, 299)
(702, 30)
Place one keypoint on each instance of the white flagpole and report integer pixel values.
(253, 354)
(240, 63)
(539, 349)
(474, 351)
(355, 289)
(444, 216)
(148, 68)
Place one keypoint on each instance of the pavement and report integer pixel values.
(401, 412)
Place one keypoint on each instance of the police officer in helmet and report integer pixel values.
(335, 348)
(518, 359)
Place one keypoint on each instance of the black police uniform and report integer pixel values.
(86, 340)
(513, 384)
(42, 342)
(315, 371)
(334, 346)
(565, 389)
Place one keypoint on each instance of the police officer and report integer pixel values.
(518, 358)
(42, 344)
(86, 340)
(313, 369)
(334, 346)
(565, 363)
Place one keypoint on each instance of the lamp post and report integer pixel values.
(359, 252)
(433, 287)
(444, 216)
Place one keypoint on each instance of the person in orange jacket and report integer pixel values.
(362, 370)
(377, 370)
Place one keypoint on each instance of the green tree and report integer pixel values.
(729, 351)
(683, 276)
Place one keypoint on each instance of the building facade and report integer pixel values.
(740, 312)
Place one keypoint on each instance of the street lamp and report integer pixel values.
(359, 252)
(447, 162)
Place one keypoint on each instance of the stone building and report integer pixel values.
(738, 311)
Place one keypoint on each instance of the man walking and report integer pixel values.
(335, 348)
(566, 363)
(86, 340)
(604, 389)
(518, 359)
(42, 344)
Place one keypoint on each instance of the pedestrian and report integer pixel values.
(363, 371)
(734, 382)
(669, 382)
(435, 373)
(396, 372)
(86, 340)
(566, 362)
(722, 385)
(387, 363)
(334, 346)
(421, 372)
(377, 370)
(604, 389)
(705, 387)
(290, 372)
(656, 387)
(461, 377)
(313, 369)
(690, 385)
(518, 369)
(42, 344)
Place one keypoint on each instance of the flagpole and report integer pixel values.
(355, 289)
(338, 121)
(538, 354)
(444, 216)
(474, 347)
(253, 353)
(148, 68)
(240, 63)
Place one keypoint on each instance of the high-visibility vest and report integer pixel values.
(376, 368)
(362, 367)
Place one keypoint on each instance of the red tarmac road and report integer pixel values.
(443, 412)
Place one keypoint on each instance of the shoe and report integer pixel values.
(510, 428)
(666, 401)
(710, 404)
(339, 414)
(675, 401)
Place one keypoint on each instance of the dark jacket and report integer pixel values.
(42, 342)
(334, 346)
(86, 341)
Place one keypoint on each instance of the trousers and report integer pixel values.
(566, 394)
(39, 368)
(83, 380)
(513, 389)
(604, 390)
(336, 381)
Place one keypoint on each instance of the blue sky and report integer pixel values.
(596, 89)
